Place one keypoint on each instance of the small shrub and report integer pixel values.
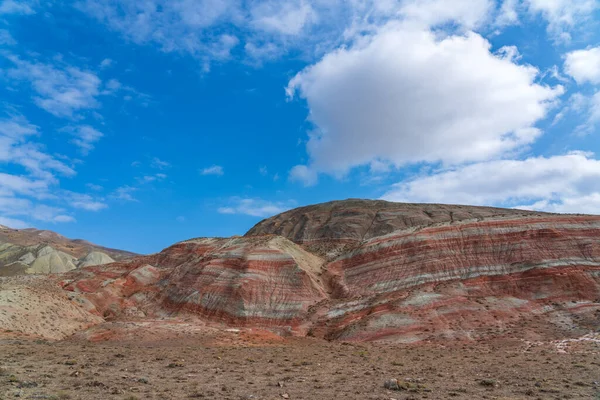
(488, 382)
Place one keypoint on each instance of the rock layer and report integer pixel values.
(329, 229)
(266, 281)
(463, 273)
(377, 271)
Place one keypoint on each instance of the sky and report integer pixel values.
(139, 123)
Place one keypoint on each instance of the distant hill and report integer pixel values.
(33, 251)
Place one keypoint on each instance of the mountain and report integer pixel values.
(33, 251)
(356, 270)
(331, 228)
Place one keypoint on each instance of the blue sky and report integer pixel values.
(137, 124)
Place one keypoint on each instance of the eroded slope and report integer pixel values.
(266, 281)
(32, 251)
(330, 229)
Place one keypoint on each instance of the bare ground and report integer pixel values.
(241, 365)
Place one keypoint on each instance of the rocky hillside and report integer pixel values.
(331, 228)
(363, 271)
(33, 251)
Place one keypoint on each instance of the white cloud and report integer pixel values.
(213, 170)
(262, 51)
(151, 178)
(50, 214)
(17, 126)
(11, 185)
(26, 195)
(255, 207)
(14, 223)
(112, 86)
(84, 137)
(404, 96)
(175, 26)
(468, 14)
(6, 38)
(124, 193)
(84, 201)
(11, 207)
(15, 130)
(595, 108)
(283, 17)
(508, 13)
(583, 108)
(563, 183)
(94, 187)
(268, 28)
(106, 63)
(62, 90)
(584, 65)
(563, 15)
(157, 163)
(303, 174)
(17, 7)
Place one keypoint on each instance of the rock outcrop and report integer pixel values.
(266, 281)
(32, 251)
(440, 281)
(362, 271)
(332, 228)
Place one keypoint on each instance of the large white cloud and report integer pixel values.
(584, 65)
(563, 183)
(406, 96)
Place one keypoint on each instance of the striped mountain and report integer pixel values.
(363, 270)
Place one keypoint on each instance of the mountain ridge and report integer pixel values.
(360, 270)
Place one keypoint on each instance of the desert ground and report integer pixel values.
(258, 365)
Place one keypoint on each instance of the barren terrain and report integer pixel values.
(254, 365)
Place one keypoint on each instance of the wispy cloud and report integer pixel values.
(36, 194)
(60, 89)
(124, 193)
(11, 207)
(106, 63)
(17, 7)
(16, 148)
(563, 16)
(84, 137)
(151, 178)
(255, 207)
(212, 170)
(6, 38)
(94, 187)
(159, 164)
(84, 201)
